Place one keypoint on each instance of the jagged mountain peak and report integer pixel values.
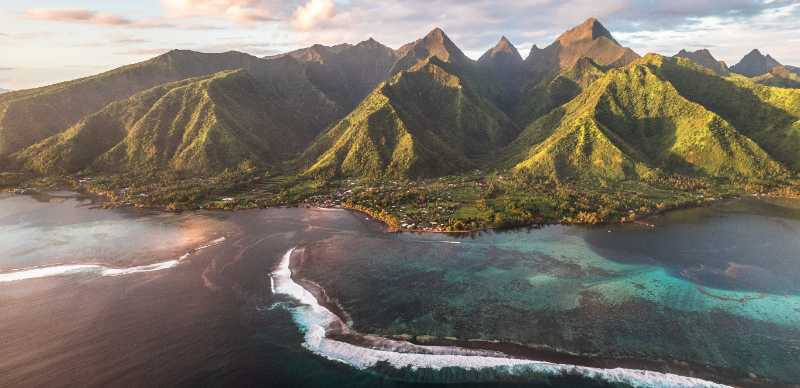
(590, 29)
(703, 57)
(370, 43)
(589, 39)
(755, 63)
(435, 44)
(503, 52)
(437, 33)
(504, 42)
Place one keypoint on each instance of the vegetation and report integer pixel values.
(632, 123)
(418, 124)
(432, 140)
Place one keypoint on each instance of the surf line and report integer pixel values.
(315, 321)
(97, 269)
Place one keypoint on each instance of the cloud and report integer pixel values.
(312, 13)
(240, 11)
(86, 16)
(77, 16)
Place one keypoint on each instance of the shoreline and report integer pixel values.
(511, 350)
(104, 201)
(388, 221)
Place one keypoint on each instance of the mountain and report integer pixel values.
(779, 76)
(502, 55)
(199, 125)
(315, 53)
(347, 73)
(435, 44)
(4, 90)
(544, 87)
(633, 122)
(552, 92)
(28, 116)
(793, 69)
(503, 71)
(590, 109)
(754, 64)
(767, 115)
(589, 39)
(424, 122)
(704, 58)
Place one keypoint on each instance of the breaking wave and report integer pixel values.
(97, 269)
(315, 321)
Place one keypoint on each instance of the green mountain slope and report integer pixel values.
(582, 53)
(28, 116)
(202, 126)
(770, 116)
(426, 122)
(79, 146)
(631, 122)
(781, 77)
(541, 98)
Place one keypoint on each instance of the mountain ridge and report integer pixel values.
(704, 57)
(599, 134)
(755, 64)
(423, 110)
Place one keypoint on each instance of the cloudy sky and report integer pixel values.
(46, 41)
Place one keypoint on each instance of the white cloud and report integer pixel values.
(312, 13)
(77, 16)
(240, 11)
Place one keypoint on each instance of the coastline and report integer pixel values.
(341, 331)
(389, 221)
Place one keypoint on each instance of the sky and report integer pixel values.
(48, 41)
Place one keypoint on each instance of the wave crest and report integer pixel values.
(97, 269)
(315, 320)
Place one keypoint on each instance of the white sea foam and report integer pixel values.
(314, 320)
(210, 244)
(97, 269)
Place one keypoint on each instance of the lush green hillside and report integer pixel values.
(781, 77)
(78, 147)
(556, 74)
(201, 126)
(633, 122)
(425, 122)
(28, 116)
(769, 116)
(607, 135)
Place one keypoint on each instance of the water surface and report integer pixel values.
(708, 291)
